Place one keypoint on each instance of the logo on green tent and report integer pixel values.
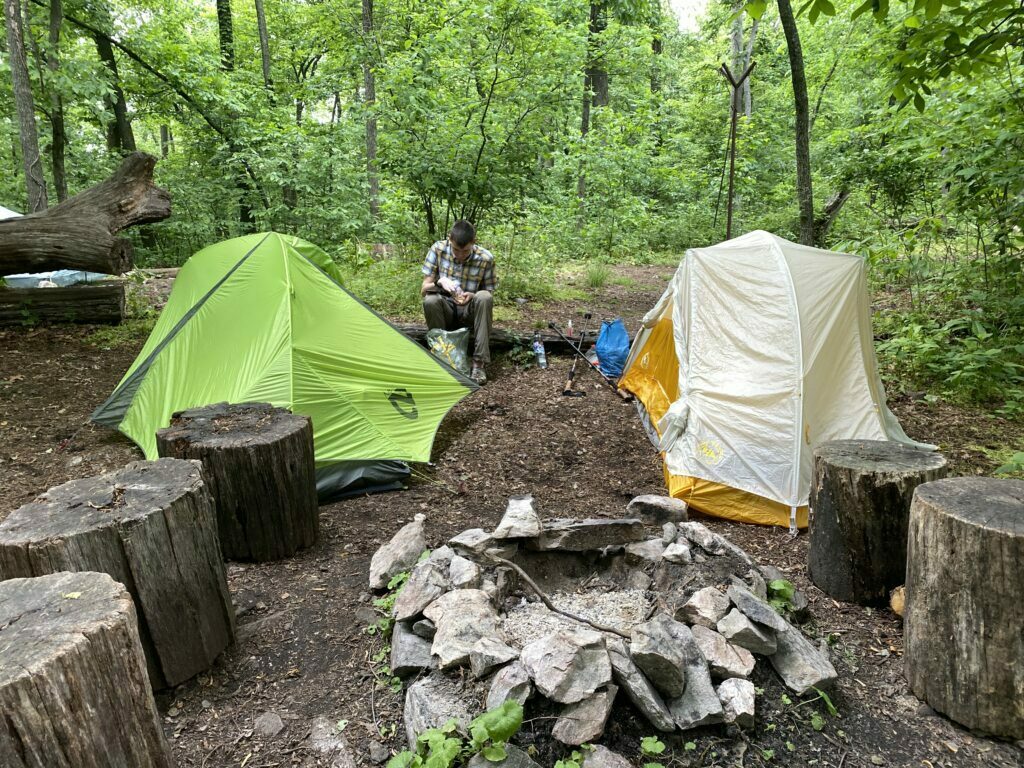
(402, 401)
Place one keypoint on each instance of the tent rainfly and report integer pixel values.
(264, 318)
(759, 350)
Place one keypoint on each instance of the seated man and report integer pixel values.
(457, 285)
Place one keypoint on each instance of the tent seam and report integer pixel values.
(799, 434)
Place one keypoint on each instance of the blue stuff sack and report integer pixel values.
(612, 348)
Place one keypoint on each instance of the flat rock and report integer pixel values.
(325, 738)
(520, 520)
(657, 648)
(427, 582)
(656, 510)
(268, 725)
(511, 682)
(424, 628)
(584, 721)
(704, 538)
(431, 702)
(699, 704)
(462, 617)
(638, 688)
(410, 654)
(742, 632)
(568, 666)
(399, 554)
(724, 660)
(464, 574)
(602, 757)
(475, 541)
(706, 607)
(756, 609)
(800, 665)
(737, 697)
(488, 653)
(379, 753)
(587, 535)
(649, 551)
(678, 552)
(514, 758)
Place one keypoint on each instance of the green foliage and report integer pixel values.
(443, 747)
(780, 594)
(1014, 466)
(597, 275)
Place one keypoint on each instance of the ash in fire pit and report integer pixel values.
(576, 611)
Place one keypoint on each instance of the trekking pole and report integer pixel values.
(615, 387)
(568, 390)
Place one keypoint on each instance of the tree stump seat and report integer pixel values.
(73, 685)
(259, 464)
(860, 498)
(150, 526)
(964, 615)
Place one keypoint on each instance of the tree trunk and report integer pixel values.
(964, 615)
(824, 223)
(225, 35)
(120, 136)
(748, 103)
(101, 302)
(861, 496)
(165, 140)
(80, 232)
(35, 180)
(369, 102)
(261, 23)
(73, 687)
(151, 526)
(804, 193)
(60, 181)
(258, 462)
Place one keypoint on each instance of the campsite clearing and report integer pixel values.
(303, 652)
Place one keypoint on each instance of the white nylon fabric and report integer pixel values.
(776, 356)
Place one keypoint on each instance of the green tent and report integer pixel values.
(265, 318)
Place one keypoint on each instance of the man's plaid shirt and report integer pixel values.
(475, 274)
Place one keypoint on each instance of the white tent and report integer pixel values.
(7, 213)
(759, 350)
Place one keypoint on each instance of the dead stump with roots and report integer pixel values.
(860, 497)
(150, 526)
(259, 463)
(964, 618)
(73, 686)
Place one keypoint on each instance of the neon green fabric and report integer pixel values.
(264, 318)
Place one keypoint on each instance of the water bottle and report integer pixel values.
(538, 351)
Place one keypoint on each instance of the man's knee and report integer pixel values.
(483, 297)
(432, 301)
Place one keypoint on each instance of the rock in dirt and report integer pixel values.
(424, 628)
(520, 520)
(655, 510)
(741, 631)
(755, 582)
(800, 665)
(325, 738)
(410, 654)
(756, 609)
(637, 687)
(657, 647)
(669, 532)
(511, 682)
(640, 552)
(704, 538)
(724, 660)
(464, 574)
(602, 757)
(431, 702)
(587, 535)
(475, 541)
(268, 725)
(706, 607)
(514, 758)
(488, 653)
(427, 582)
(399, 554)
(584, 721)
(461, 617)
(568, 666)
(699, 704)
(678, 552)
(379, 753)
(737, 697)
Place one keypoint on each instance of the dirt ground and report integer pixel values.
(303, 649)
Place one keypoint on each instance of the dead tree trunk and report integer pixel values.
(101, 302)
(73, 687)
(80, 232)
(150, 525)
(259, 463)
(964, 617)
(861, 495)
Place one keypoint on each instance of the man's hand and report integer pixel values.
(463, 298)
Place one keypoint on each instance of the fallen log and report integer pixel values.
(102, 302)
(80, 233)
(502, 339)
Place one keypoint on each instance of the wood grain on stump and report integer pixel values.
(259, 463)
(860, 497)
(964, 618)
(73, 685)
(151, 526)
(101, 302)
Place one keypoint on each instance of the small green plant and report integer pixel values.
(1013, 466)
(652, 746)
(597, 275)
(385, 604)
(768, 754)
(443, 747)
(576, 757)
(780, 594)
